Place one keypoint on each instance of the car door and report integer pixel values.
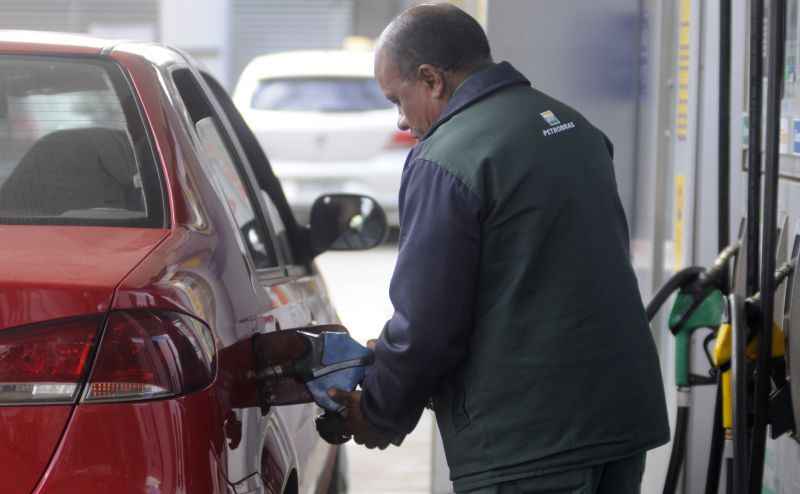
(302, 285)
(260, 452)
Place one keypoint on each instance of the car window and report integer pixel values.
(335, 94)
(281, 234)
(218, 159)
(278, 211)
(73, 149)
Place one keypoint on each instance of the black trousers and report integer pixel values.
(616, 477)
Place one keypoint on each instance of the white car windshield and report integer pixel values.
(334, 94)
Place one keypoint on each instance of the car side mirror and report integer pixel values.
(346, 222)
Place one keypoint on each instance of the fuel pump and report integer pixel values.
(738, 312)
(701, 304)
(755, 346)
(776, 60)
(698, 305)
(792, 332)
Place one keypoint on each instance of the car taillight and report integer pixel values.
(46, 363)
(401, 139)
(146, 355)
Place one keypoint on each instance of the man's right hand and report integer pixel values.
(355, 423)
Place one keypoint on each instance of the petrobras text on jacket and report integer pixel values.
(560, 128)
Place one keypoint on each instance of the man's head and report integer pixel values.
(422, 57)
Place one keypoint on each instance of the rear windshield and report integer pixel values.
(73, 149)
(335, 94)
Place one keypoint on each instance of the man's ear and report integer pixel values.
(433, 78)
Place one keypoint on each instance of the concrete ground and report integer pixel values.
(359, 286)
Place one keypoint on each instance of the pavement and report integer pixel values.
(359, 286)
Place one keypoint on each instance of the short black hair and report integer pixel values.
(441, 35)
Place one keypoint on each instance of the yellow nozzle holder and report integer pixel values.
(727, 400)
(722, 355)
(723, 345)
(778, 345)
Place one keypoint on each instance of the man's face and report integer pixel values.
(419, 100)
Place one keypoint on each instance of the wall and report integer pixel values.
(200, 28)
(586, 54)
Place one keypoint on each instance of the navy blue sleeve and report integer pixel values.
(433, 291)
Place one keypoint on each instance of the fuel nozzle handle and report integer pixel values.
(695, 280)
(698, 290)
(330, 426)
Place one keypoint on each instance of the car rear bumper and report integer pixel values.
(148, 447)
(379, 178)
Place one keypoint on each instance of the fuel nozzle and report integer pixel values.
(699, 301)
(319, 358)
(298, 366)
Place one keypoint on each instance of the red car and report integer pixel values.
(144, 241)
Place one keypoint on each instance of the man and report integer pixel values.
(516, 307)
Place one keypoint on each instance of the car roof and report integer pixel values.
(310, 63)
(55, 43)
(47, 42)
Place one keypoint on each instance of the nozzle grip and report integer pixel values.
(330, 427)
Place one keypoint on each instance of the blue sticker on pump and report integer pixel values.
(796, 136)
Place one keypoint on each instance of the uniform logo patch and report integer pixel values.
(550, 118)
(556, 127)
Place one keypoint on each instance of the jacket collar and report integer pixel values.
(478, 86)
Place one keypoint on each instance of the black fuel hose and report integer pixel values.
(678, 451)
(683, 278)
(676, 282)
(679, 280)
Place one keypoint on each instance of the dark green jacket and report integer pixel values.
(516, 306)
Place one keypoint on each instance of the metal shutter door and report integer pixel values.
(266, 26)
(77, 15)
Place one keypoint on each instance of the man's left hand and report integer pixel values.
(355, 423)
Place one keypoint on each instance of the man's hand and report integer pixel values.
(354, 421)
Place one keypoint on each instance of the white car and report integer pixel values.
(326, 124)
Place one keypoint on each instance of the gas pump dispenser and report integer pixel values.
(754, 343)
(792, 335)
